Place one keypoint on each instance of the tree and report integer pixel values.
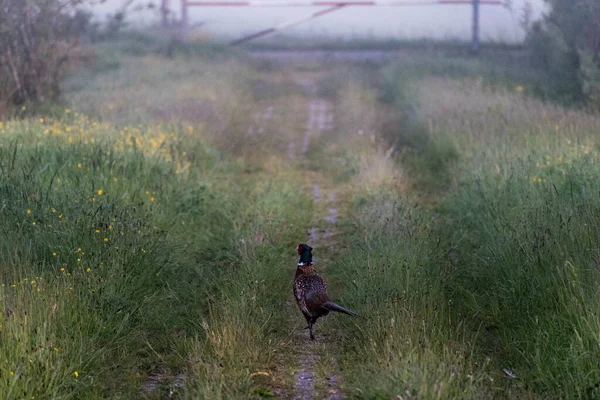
(566, 44)
(36, 39)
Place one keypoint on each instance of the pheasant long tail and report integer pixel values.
(331, 306)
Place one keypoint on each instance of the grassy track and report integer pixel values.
(486, 268)
(148, 233)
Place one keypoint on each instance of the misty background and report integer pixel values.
(444, 22)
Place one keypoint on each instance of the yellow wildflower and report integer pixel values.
(60, 216)
(115, 179)
(53, 210)
(106, 239)
(100, 191)
(54, 254)
(62, 269)
(28, 211)
(152, 199)
(12, 372)
(76, 374)
(33, 223)
(79, 165)
(88, 270)
(97, 230)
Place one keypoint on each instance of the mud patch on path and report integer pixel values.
(305, 378)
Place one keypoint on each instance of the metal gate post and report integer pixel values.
(475, 44)
(185, 22)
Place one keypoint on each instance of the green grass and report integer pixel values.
(125, 252)
(521, 216)
(148, 240)
(487, 261)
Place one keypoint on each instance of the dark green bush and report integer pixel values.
(566, 45)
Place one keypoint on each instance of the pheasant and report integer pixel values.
(310, 291)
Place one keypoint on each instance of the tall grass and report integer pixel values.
(147, 235)
(137, 257)
(410, 344)
(391, 269)
(522, 219)
(497, 276)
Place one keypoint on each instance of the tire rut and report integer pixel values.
(320, 119)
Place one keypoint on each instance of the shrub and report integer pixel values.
(566, 44)
(36, 39)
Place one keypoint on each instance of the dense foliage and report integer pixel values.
(566, 44)
(36, 39)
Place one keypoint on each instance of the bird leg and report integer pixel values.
(310, 327)
(308, 319)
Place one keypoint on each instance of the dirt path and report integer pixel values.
(319, 121)
(260, 120)
(315, 375)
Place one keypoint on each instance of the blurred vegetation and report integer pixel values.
(504, 232)
(38, 38)
(143, 249)
(565, 45)
(148, 229)
(42, 40)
